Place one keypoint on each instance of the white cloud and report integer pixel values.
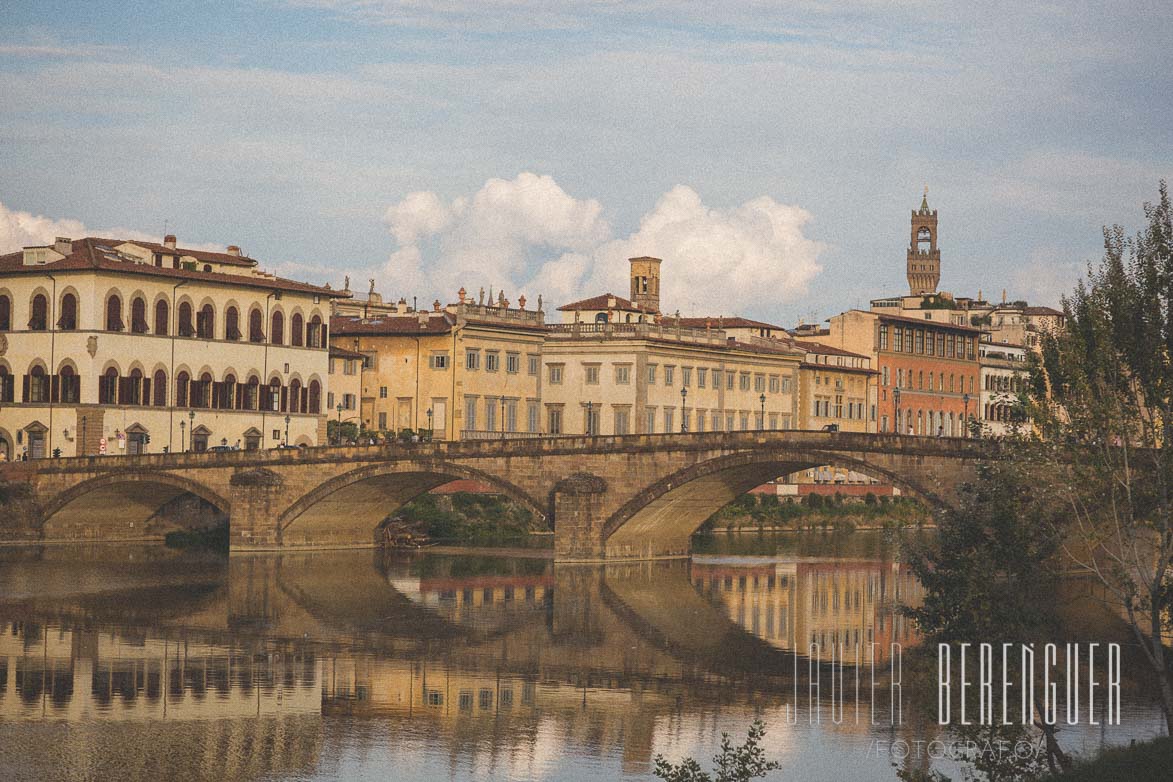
(532, 237)
(24, 229)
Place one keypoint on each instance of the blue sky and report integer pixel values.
(770, 152)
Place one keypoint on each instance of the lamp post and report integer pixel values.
(896, 402)
(683, 410)
(502, 418)
(430, 430)
(191, 428)
(338, 434)
(762, 425)
(590, 419)
(182, 442)
(287, 430)
(82, 444)
(965, 418)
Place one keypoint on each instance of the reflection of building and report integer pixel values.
(120, 345)
(795, 605)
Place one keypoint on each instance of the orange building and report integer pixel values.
(928, 369)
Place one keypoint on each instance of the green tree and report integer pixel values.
(1101, 401)
(733, 764)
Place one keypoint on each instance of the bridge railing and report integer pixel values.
(485, 434)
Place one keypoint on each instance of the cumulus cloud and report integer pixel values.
(23, 229)
(531, 236)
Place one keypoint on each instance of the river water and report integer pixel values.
(143, 663)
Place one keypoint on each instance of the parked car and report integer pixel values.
(831, 428)
(220, 449)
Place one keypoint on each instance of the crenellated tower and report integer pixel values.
(924, 259)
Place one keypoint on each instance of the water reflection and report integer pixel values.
(426, 666)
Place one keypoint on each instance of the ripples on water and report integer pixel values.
(144, 664)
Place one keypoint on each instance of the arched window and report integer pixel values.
(232, 324)
(314, 332)
(138, 316)
(159, 387)
(186, 328)
(256, 331)
(252, 393)
(114, 314)
(68, 319)
(601, 317)
(315, 397)
(5, 313)
(162, 318)
(297, 327)
(36, 385)
(274, 401)
(39, 317)
(108, 387)
(228, 393)
(206, 322)
(201, 391)
(7, 385)
(132, 388)
(295, 403)
(182, 382)
(277, 329)
(69, 383)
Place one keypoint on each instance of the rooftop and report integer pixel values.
(607, 301)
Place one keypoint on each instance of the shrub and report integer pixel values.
(869, 499)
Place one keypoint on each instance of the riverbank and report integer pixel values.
(769, 513)
(1148, 761)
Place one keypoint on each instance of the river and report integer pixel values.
(144, 663)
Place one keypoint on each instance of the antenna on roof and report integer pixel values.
(164, 227)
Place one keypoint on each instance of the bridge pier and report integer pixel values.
(579, 518)
(257, 499)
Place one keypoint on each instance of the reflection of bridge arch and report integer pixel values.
(120, 504)
(674, 507)
(351, 506)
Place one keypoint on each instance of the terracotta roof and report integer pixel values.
(728, 322)
(91, 254)
(437, 323)
(921, 321)
(821, 349)
(1041, 311)
(201, 255)
(601, 303)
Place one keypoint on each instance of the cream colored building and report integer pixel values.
(466, 371)
(1003, 377)
(836, 388)
(343, 398)
(121, 347)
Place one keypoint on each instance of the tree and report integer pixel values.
(1101, 399)
(733, 764)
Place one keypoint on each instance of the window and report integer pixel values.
(554, 419)
(622, 374)
(232, 324)
(651, 374)
(438, 361)
(729, 422)
(729, 380)
(531, 365)
(160, 388)
(773, 420)
(686, 376)
(68, 319)
(277, 328)
(490, 414)
(382, 392)
(555, 374)
(744, 381)
(716, 378)
(114, 314)
(205, 322)
(622, 420)
(531, 417)
(470, 412)
(775, 384)
(108, 387)
(885, 376)
(512, 363)
(669, 424)
(920, 341)
(382, 421)
(39, 319)
(256, 331)
(744, 421)
(668, 373)
(5, 313)
(492, 361)
(883, 336)
(651, 420)
(296, 328)
(37, 385)
(898, 344)
(349, 367)
(592, 374)
(759, 384)
(701, 377)
(472, 359)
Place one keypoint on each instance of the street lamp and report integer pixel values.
(965, 419)
(287, 430)
(683, 410)
(762, 423)
(338, 433)
(182, 441)
(430, 430)
(502, 418)
(590, 419)
(191, 427)
(896, 402)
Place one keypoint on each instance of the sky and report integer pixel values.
(769, 152)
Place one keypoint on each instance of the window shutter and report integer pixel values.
(284, 400)
(25, 395)
(146, 398)
(55, 389)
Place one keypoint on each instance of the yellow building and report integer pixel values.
(837, 388)
(123, 347)
(466, 371)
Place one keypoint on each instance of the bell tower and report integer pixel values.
(924, 259)
(645, 282)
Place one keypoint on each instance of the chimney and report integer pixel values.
(436, 305)
(63, 245)
(232, 249)
(169, 241)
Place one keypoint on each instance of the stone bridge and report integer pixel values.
(607, 498)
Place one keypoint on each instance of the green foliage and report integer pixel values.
(216, 538)
(1149, 761)
(466, 516)
(732, 764)
(813, 500)
(869, 498)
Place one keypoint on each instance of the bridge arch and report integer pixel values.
(659, 519)
(347, 509)
(119, 505)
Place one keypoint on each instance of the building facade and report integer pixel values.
(124, 347)
(1003, 378)
(836, 388)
